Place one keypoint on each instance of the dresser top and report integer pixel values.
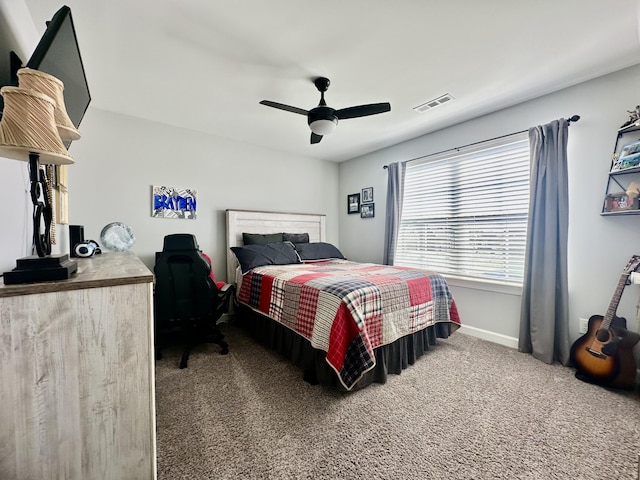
(104, 270)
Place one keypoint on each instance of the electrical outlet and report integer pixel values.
(584, 325)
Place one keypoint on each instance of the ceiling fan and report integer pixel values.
(323, 119)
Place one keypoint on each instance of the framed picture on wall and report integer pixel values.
(353, 203)
(367, 195)
(171, 202)
(367, 210)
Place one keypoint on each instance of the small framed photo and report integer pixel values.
(353, 203)
(367, 195)
(367, 210)
(629, 156)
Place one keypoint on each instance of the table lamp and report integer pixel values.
(49, 85)
(31, 131)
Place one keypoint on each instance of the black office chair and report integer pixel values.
(187, 301)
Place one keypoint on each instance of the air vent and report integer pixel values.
(433, 103)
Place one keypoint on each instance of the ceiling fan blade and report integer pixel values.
(362, 110)
(282, 106)
(315, 138)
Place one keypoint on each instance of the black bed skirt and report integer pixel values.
(390, 359)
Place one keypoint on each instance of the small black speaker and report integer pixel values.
(76, 236)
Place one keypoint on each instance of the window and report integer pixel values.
(465, 212)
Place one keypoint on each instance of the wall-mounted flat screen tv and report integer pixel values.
(58, 54)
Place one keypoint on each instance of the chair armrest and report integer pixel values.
(222, 299)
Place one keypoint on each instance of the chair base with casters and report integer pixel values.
(191, 333)
(188, 302)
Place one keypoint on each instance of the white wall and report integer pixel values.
(599, 247)
(119, 158)
(15, 234)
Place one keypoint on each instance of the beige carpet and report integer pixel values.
(468, 409)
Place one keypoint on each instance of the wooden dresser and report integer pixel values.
(77, 374)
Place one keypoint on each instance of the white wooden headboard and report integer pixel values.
(250, 221)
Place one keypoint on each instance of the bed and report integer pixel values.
(346, 324)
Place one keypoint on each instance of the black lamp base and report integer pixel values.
(41, 269)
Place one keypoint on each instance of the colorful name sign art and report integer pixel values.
(171, 202)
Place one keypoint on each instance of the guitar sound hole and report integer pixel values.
(602, 335)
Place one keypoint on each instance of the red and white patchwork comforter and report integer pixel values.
(347, 309)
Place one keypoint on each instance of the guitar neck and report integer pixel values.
(613, 305)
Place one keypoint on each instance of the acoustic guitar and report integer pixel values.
(604, 355)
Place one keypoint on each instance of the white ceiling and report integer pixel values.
(205, 64)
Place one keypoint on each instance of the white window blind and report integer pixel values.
(465, 212)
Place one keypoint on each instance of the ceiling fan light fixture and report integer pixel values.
(322, 120)
(323, 126)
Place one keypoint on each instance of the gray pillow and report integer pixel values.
(296, 237)
(317, 251)
(252, 256)
(261, 238)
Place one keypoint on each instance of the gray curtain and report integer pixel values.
(544, 328)
(395, 191)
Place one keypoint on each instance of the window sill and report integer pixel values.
(496, 287)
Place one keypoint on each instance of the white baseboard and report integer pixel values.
(490, 336)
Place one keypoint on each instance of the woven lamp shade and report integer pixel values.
(54, 88)
(28, 126)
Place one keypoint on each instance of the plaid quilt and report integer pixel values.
(347, 309)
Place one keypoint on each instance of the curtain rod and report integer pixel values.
(573, 118)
